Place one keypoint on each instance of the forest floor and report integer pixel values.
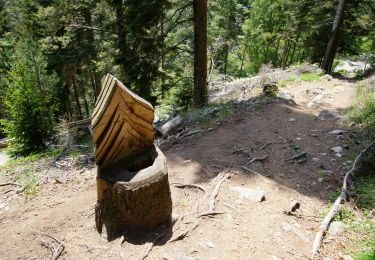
(63, 207)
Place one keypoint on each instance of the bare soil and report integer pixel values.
(246, 230)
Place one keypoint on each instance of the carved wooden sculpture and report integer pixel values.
(132, 181)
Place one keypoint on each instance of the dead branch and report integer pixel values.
(150, 245)
(216, 191)
(249, 170)
(267, 144)
(180, 185)
(9, 183)
(184, 233)
(260, 159)
(192, 133)
(56, 252)
(210, 213)
(244, 152)
(297, 156)
(336, 206)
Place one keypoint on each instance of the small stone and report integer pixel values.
(328, 173)
(292, 119)
(250, 194)
(336, 228)
(337, 132)
(320, 179)
(340, 137)
(294, 205)
(325, 114)
(327, 258)
(347, 257)
(337, 150)
(298, 138)
(326, 77)
(316, 161)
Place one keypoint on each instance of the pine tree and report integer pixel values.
(30, 112)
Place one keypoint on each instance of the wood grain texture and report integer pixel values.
(121, 122)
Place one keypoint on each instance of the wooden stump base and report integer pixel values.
(134, 200)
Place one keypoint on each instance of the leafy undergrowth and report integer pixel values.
(311, 76)
(363, 110)
(358, 215)
(27, 170)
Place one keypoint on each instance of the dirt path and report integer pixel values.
(4, 158)
(247, 230)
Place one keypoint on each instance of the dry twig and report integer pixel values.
(180, 185)
(336, 206)
(210, 213)
(56, 252)
(260, 159)
(216, 191)
(9, 183)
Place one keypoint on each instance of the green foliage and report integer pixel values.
(28, 180)
(310, 76)
(28, 101)
(363, 111)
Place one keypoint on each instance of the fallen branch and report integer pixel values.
(336, 206)
(249, 170)
(180, 185)
(184, 233)
(149, 246)
(297, 156)
(261, 159)
(216, 191)
(244, 152)
(56, 252)
(210, 213)
(9, 183)
(192, 133)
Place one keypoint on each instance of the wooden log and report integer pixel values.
(129, 200)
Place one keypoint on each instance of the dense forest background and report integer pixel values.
(54, 53)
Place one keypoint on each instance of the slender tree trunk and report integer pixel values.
(333, 40)
(275, 58)
(200, 52)
(76, 95)
(293, 51)
(93, 54)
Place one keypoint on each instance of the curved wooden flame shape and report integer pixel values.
(121, 122)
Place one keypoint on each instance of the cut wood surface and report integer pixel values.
(122, 123)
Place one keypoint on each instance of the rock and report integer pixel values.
(337, 150)
(250, 194)
(320, 179)
(298, 138)
(337, 132)
(171, 126)
(316, 161)
(347, 257)
(323, 114)
(286, 96)
(295, 230)
(293, 207)
(292, 119)
(326, 77)
(336, 228)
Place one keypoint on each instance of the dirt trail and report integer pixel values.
(247, 230)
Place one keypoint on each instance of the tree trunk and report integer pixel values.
(76, 95)
(333, 40)
(134, 200)
(200, 52)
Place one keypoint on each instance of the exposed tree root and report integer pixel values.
(214, 193)
(180, 185)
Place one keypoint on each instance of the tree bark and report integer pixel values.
(134, 200)
(200, 52)
(76, 95)
(333, 40)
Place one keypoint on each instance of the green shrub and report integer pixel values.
(310, 76)
(28, 102)
(363, 110)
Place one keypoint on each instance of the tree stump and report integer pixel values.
(132, 181)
